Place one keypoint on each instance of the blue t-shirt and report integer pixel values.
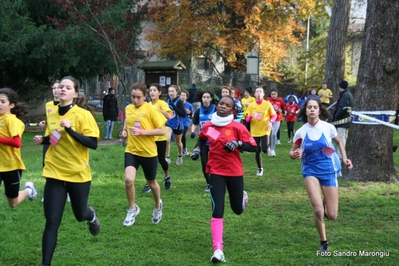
(186, 120)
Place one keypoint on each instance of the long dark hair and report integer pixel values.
(324, 113)
(20, 109)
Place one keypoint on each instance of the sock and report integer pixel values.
(30, 191)
(94, 218)
(217, 233)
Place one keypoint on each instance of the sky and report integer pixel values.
(358, 11)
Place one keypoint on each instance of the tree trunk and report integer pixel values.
(370, 147)
(336, 44)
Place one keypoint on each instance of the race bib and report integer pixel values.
(55, 137)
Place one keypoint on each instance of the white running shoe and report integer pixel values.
(289, 141)
(33, 192)
(167, 159)
(260, 172)
(157, 214)
(218, 256)
(273, 153)
(131, 216)
(245, 199)
(179, 160)
(278, 142)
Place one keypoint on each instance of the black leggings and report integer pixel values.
(161, 149)
(204, 160)
(263, 143)
(235, 187)
(183, 138)
(55, 194)
(290, 128)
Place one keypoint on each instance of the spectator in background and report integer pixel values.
(195, 97)
(110, 112)
(344, 103)
(191, 92)
(325, 95)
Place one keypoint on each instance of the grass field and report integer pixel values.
(276, 228)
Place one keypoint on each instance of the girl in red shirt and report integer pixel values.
(278, 105)
(226, 138)
(290, 111)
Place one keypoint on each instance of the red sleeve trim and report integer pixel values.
(298, 142)
(15, 142)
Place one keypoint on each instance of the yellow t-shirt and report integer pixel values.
(264, 112)
(50, 107)
(10, 157)
(326, 92)
(244, 102)
(146, 117)
(162, 105)
(69, 160)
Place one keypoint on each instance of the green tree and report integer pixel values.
(33, 52)
(113, 25)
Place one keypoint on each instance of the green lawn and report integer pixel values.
(276, 228)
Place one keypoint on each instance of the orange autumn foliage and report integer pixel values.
(229, 29)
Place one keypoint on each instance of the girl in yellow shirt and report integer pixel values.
(73, 131)
(11, 164)
(155, 92)
(143, 122)
(261, 116)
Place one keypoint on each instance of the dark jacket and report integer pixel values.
(345, 100)
(191, 92)
(110, 107)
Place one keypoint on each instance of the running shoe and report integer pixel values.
(131, 216)
(179, 160)
(167, 183)
(33, 192)
(157, 214)
(218, 256)
(260, 172)
(146, 189)
(94, 227)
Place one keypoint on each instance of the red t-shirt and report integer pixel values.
(220, 161)
(278, 105)
(290, 112)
